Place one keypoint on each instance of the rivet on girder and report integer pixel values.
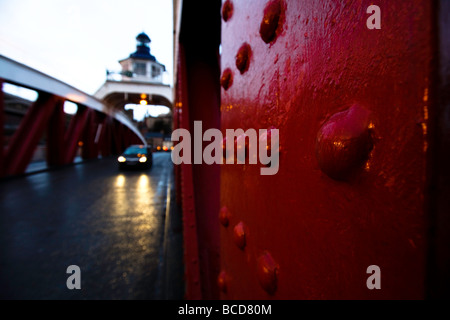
(243, 58)
(227, 10)
(272, 21)
(267, 272)
(239, 235)
(222, 281)
(344, 142)
(224, 216)
(227, 79)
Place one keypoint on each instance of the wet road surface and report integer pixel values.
(110, 223)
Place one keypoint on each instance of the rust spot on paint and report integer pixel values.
(222, 281)
(224, 216)
(273, 20)
(227, 10)
(243, 58)
(267, 272)
(425, 119)
(344, 142)
(239, 235)
(227, 79)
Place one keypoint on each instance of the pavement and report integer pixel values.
(122, 229)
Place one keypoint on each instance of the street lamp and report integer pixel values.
(143, 101)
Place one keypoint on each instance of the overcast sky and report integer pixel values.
(77, 40)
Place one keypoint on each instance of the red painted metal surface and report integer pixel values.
(74, 133)
(198, 98)
(25, 140)
(439, 169)
(45, 119)
(203, 93)
(88, 151)
(355, 109)
(105, 137)
(193, 285)
(55, 136)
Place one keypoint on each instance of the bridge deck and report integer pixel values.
(112, 224)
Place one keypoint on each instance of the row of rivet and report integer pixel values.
(269, 29)
(343, 143)
(266, 269)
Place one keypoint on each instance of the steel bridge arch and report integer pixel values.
(105, 129)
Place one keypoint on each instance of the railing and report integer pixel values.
(24, 76)
(96, 127)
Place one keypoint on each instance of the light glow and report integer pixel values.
(120, 181)
(70, 107)
(140, 112)
(21, 92)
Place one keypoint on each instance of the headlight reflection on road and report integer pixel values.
(136, 205)
(120, 181)
(135, 196)
(144, 198)
(143, 184)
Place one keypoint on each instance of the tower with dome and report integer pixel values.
(141, 65)
(139, 82)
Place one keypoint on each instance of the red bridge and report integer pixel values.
(358, 209)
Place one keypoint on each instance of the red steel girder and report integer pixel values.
(104, 143)
(55, 136)
(74, 133)
(177, 169)
(90, 150)
(200, 98)
(191, 251)
(313, 70)
(24, 142)
(203, 96)
(439, 169)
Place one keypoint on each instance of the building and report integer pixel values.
(142, 65)
(139, 82)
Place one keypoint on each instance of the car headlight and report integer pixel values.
(143, 159)
(121, 159)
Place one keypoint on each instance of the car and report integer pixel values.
(136, 156)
